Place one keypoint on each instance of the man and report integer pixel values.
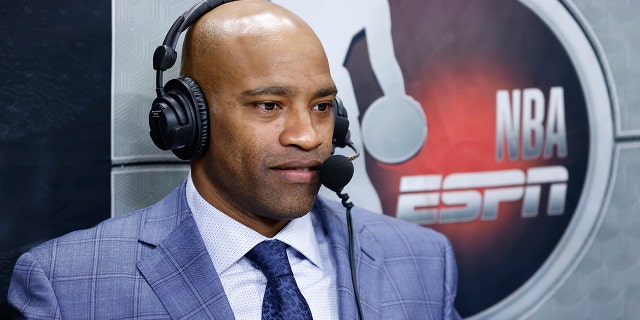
(266, 82)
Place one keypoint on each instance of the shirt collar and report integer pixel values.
(227, 240)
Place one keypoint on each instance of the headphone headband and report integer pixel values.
(165, 55)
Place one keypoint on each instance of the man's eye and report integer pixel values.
(322, 106)
(269, 106)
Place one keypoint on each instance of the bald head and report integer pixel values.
(233, 33)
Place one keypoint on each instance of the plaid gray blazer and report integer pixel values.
(152, 264)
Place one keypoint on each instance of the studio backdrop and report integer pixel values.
(513, 127)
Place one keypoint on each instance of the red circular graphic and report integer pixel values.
(456, 56)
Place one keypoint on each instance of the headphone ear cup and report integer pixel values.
(179, 119)
(200, 142)
(341, 134)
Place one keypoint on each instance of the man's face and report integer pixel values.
(271, 126)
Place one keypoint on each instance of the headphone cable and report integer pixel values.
(352, 264)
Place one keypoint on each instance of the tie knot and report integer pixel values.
(270, 256)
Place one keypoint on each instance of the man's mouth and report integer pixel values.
(299, 172)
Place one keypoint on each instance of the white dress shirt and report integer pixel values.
(227, 241)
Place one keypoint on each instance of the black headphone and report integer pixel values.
(179, 117)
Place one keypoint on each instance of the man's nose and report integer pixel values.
(301, 130)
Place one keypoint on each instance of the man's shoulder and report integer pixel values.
(115, 232)
(391, 232)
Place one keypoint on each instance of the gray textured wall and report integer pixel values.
(142, 174)
(606, 282)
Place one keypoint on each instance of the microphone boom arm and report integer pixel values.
(353, 156)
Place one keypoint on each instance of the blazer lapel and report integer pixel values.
(179, 268)
(369, 260)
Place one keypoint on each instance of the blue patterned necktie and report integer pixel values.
(282, 297)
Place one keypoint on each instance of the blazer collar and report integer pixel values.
(369, 258)
(178, 267)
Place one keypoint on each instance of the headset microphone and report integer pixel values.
(336, 172)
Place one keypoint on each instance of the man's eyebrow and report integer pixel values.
(268, 90)
(325, 92)
(284, 90)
